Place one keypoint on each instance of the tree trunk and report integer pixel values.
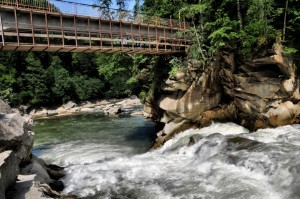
(239, 13)
(284, 22)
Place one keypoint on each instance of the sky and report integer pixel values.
(70, 8)
(129, 6)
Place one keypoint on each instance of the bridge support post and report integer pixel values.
(17, 27)
(62, 30)
(2, 32)
(32, 28)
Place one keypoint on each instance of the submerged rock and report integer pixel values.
(240, 143)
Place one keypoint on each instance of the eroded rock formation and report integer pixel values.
(257, 93)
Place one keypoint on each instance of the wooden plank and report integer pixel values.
(67, 48)
(9, 47)
(39, 48)
(53, 48)
(80, 49)
(24, 48)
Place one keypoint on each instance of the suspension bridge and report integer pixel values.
(65, 26)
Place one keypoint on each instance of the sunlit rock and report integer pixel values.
(16, 135)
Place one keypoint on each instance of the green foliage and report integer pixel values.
(176, 66)
(35, 81)
(45, 79)
(87, 88)
(116, 71)
(290, 51)
(193, 10)
(7, 80)
(254, 26)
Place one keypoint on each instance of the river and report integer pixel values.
(106, 157)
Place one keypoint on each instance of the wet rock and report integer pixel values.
(171, 129)
(8, 171)
(240, 143)
(55, 172)
(57, 185)
(194, 139)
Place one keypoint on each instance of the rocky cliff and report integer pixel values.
(257, 93)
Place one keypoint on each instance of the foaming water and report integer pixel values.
(208, 163)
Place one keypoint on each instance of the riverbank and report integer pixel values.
(107, 107)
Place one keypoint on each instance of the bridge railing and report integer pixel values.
(81, 9)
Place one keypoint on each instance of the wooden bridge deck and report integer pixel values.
(35, 29)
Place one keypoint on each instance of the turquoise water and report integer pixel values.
(132, 134)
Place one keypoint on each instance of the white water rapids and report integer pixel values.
(216, 163)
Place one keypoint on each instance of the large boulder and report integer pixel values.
(16, 135)
(203, 94)
(8, 171)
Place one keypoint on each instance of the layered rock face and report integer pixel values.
(259, 93)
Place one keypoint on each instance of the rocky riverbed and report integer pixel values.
(107, 107)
